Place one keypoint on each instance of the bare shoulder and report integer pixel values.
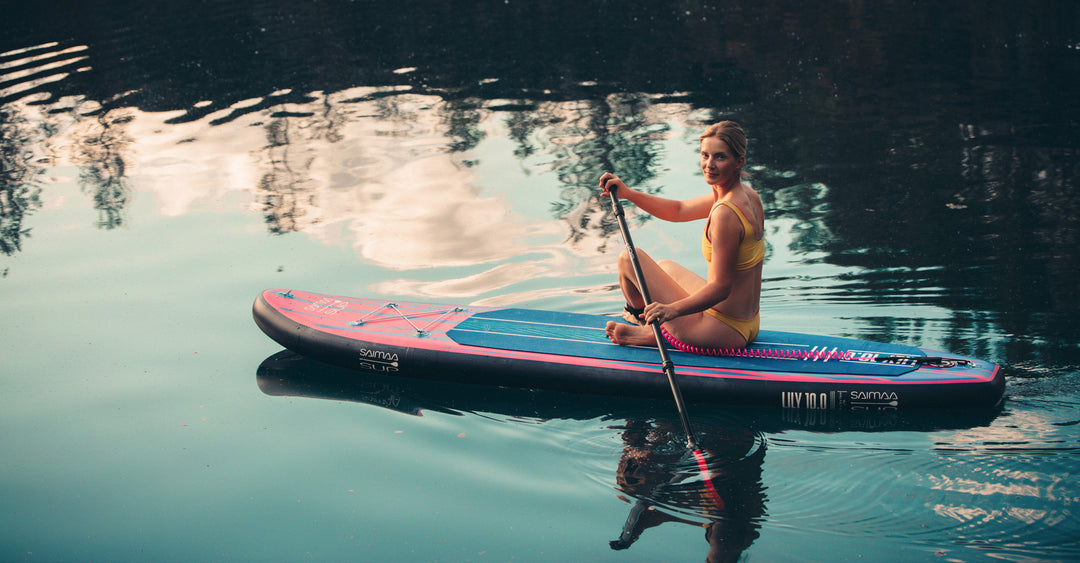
(752, 195)
(755, 205)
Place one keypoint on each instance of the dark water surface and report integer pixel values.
(161, 163)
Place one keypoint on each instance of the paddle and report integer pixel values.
(668, 365)
(669, 370)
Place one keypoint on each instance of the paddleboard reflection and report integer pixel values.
(655, 474)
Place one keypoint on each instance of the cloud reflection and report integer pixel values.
(390, 173)
(426, 213)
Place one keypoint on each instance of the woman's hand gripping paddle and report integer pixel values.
(669, 371)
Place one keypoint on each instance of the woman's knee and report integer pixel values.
(687, 279)
(627, 262)
(669, 265)
(625, 265)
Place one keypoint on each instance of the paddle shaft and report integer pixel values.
(668, 365)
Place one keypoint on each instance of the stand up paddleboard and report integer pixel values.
(537, 349)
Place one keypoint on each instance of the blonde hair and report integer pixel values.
(729, 132)
(732, 134)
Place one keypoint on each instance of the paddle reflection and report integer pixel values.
(728, 500)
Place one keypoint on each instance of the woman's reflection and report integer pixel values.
(669, 486)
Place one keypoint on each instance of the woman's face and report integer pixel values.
(718, 163)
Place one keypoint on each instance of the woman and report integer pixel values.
(698, 314)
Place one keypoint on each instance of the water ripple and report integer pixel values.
(1008, 488)
(28, 70)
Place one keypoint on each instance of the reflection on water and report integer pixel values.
(652, 469)
(727, 500)
(984, 490)
(948, 496)
(101, 166)
(389, 173)
(394, 187)
(30, 69)
(20, 191)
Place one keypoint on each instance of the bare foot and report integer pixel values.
(628, 335)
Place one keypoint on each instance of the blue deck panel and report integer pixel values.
(581, 335)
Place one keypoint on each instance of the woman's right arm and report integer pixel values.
(660, 207)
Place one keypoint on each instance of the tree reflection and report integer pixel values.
(20, 193)
(461, 118)
(593, 136)
(102, 168)
(286, 189)
(576, 140)
(282, 189)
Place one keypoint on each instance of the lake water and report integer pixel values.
(162, 163)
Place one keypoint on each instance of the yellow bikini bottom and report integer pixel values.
(748, 328)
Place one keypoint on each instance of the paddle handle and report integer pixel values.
(666, 363)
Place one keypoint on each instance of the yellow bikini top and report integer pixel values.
(751, 249)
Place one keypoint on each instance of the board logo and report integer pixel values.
(809, 401)
(378, 360)
(840, 400)
(878, 400)
(874, 396)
